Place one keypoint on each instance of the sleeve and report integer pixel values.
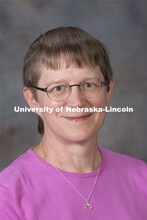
(8, 206)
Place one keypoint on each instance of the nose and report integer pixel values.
(75, 98)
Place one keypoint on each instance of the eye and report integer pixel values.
(58, 88)
(89, 85)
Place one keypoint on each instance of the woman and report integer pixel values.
(67, 175)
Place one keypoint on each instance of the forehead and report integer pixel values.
(72, 74)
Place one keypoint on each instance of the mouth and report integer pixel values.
(77, 119)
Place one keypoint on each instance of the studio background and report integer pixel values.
(121, 25)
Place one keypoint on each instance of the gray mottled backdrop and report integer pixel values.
(121, 25)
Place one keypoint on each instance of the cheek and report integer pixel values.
(100, 116)
(99, 120)
(45, 102)
(49, 120)
(99, 102)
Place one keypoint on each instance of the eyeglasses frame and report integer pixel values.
(45, 89)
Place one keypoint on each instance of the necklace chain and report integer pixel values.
(88, 206)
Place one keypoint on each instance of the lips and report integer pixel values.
(79, 118)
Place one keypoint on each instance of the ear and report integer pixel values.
(108, 96)
(29, 97)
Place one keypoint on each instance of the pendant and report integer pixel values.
(88, 206)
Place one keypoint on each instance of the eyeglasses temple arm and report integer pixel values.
(42, 89)
(104, 83)
(35, 87)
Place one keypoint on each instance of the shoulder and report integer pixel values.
(24, 172)
(117, 157)
(12, 179)
(17, 169)
(124, 164)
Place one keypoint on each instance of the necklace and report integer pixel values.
(88, 205)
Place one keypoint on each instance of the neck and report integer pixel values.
(77, 157)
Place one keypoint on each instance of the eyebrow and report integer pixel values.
(63, 80)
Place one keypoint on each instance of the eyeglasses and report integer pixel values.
(60, 91)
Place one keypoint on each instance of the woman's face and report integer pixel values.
(72, 126)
